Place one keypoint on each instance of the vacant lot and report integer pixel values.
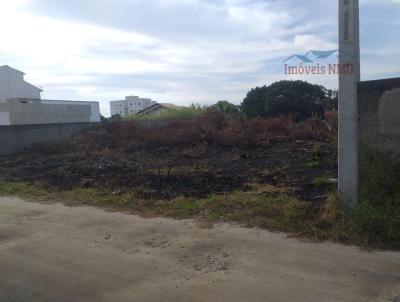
(58, 253)
(192, 159)
(270, 173)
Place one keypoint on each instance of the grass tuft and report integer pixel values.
(377, 216)
(321, 181)
(313, 164)
(24, 190)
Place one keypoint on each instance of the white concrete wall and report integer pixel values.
(389, 113)
(96, 116)
(13, 85)
(16, 138)
(4, 118)
(379, 115)
(95, 107)
(33, 111)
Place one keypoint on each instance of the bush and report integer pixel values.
(299, 99)
(377, 216)
(209, 129)
(260, 132)
(226, 108)
(379, 225)
(177, 133)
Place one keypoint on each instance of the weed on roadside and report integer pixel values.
(321, 181)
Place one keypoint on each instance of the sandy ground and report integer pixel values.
(58, 253)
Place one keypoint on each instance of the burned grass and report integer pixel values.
(254, 173)
(193, 159)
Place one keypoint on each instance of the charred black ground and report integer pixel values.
(207, 155)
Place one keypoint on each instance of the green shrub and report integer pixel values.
(313, 164)
(185, 207)
(321, 181)
(377, 216)
(378, 225)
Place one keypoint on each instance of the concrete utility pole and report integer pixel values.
(349, 55)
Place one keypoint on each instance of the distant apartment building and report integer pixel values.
(21, 104)
(131, 105)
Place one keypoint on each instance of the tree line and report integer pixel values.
(298, 99)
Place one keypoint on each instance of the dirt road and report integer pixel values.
(58, 253)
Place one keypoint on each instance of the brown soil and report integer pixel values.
(57, 253)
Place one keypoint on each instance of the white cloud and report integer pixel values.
(176, 50)
(312, 42)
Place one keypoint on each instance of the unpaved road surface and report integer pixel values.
(57, 253)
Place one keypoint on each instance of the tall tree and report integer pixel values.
(253, 105)
(296, 98)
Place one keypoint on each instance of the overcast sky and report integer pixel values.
(181, 51)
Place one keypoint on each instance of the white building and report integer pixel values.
(13, 85)
(21, 104)
(131, 105)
